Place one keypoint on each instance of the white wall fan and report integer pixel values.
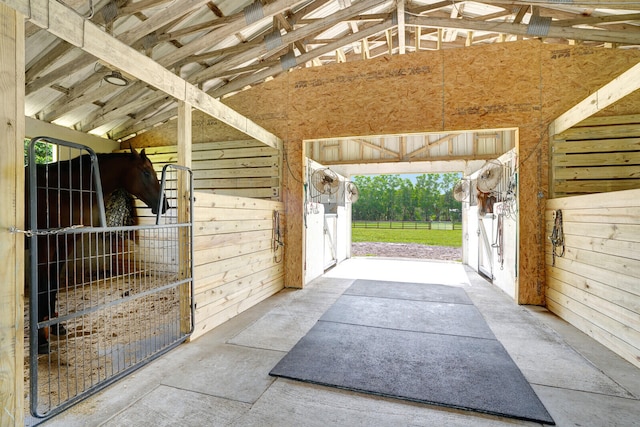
(489, 176)
(351, 192)
(325, 181)
(461, 190)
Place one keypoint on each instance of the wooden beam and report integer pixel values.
(383, 150)
(365, 49)
(290, 37)
(403, 147)
(389, 38)
(184, 213)
(63, 22)
(401, 27)
(625, 37)
(428, 146)
(237, 24)
(595, 20)
(623, 85)
(160, 19)
(111, 111)
(311, 54)
(12, 53)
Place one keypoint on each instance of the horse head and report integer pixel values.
(142, 182)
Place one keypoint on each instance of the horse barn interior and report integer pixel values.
(244, 102)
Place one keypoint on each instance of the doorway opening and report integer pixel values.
(461, 153)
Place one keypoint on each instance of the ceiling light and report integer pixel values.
(115, 78)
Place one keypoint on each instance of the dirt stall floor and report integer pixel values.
(406, 250)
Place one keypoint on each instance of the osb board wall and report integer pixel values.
(519, 84)
(236, 264)
(595, 285)
(203, 127)
(245, 168)
(598, 155)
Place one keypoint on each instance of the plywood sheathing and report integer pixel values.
(523, 84)
(203, 126)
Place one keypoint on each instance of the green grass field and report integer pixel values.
(451, 238)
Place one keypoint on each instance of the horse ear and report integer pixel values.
(133, 150)
(142, 154)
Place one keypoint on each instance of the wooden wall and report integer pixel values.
(595, 286)
(522, 85)
(598, 155)
(245, 168)
(235, 263)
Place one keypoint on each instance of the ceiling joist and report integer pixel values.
(189, 47)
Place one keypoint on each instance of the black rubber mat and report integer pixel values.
(385, 339)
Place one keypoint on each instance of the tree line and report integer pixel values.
(393, 198)
(44, 152)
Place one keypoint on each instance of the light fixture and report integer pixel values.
(115, 78)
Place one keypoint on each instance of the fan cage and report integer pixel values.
(330, 200)
(505, 191)
(462, 190)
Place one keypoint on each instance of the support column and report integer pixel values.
(11, 214)
(183, 197)
(294, 237)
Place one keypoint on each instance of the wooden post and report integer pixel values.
(183, 196)
(11, 214)
(294, 237)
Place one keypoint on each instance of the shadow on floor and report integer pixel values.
(222, 378)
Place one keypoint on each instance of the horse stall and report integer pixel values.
(238, 225)
(593, 231)
(111, 281)
(489, 199)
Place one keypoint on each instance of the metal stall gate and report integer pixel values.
(111, 285)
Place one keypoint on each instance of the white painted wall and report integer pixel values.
(470, 236)
(505, 272)
(327, 235)
(330, 240)
(343, 238)
(314, 241)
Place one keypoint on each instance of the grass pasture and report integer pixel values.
(452, 238)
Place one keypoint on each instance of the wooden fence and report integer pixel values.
(408, 225)
(595, 284)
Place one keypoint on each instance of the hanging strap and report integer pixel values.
(557, 236)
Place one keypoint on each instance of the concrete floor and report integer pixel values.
(221, 379)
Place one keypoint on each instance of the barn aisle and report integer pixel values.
(222, 378)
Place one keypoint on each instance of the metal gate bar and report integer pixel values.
(125, 292)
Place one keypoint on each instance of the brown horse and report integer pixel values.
(66, 196)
